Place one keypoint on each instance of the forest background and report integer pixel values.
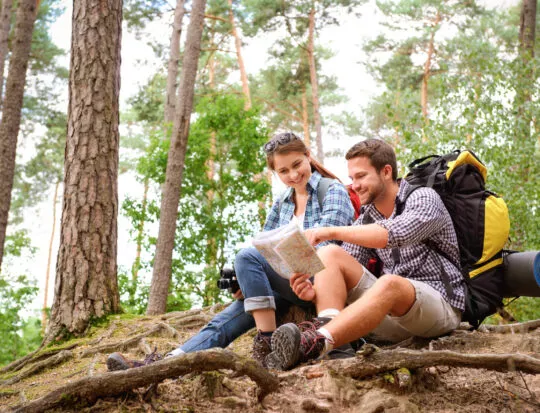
(428, 76)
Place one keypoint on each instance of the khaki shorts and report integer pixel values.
(430, 316)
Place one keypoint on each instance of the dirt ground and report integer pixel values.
(319, 387)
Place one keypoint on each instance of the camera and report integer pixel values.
(228, 280)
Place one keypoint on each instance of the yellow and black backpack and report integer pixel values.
(481, 222)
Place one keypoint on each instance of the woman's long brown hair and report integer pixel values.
(298, 145)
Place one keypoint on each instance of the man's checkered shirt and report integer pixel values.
(424, 217)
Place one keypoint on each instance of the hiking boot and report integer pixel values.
(261, 348)
(342, 352)
(116, 361)
(293, 344)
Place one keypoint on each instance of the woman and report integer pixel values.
(263, 291)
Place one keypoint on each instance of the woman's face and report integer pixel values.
(293, 169)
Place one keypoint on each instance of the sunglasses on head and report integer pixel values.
(280, 139)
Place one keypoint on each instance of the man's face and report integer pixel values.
(366, 181)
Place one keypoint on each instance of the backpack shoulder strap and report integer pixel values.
(322, 189)
(400, 204)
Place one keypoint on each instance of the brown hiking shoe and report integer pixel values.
(117, 361)
(261, 348)
(293, 344)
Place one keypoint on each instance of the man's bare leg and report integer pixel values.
(391, 294)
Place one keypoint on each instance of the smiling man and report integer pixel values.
(420, 291)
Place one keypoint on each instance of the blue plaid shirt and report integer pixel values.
(336, 210)
(424, 217)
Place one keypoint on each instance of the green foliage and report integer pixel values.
(19, 336)
(473, 78)
(218, 209)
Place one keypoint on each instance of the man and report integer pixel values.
(421, 291)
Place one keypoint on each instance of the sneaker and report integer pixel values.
(293, 344)
(116, 361)
(261, 348)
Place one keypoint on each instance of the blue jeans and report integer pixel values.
(262, 288)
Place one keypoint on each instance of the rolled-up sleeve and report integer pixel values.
(423, 217)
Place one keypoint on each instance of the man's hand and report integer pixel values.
(238, 295)
(302, 287)
(317, 235)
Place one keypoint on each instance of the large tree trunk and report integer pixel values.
(174, 59)
(161, 278)
(86, 270)
(238, 46)
(5, 25)
(49, 259)
(314, 86)
(11, 113)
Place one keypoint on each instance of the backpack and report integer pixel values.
(481, 222)
(322, 189)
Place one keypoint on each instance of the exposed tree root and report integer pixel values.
(89, 389)
(51, 361)
(511, 328)
(387, 360)
(132, 342)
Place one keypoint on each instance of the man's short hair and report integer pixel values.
(378, 152)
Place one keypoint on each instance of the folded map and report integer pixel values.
(288, 251)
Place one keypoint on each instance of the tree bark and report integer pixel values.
(5, 26)
(161, 278)
(527, 31)
(427, 69)
(86, 269)
(174, 59)
(314, 86)
(238, 46)
(49, 258)
(11, 113)
(305, 118)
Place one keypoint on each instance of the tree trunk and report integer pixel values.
(86, 270)
(5, 25)
(11, 114)
(140, 233)
(527, 31)
(157, 302)
(314, 86)
(427, 69)
(174, 59)
(238, 46)
(49, 258)
(305, 118)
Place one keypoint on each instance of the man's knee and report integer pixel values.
(398, 290)
(331, 254)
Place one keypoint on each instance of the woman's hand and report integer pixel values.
(302, 287)
(238, 295)
(317, 235)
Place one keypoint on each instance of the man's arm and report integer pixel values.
(369, 236)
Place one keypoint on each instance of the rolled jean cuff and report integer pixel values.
(259, 303)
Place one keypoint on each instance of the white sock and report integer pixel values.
(329, 313)
(329, 342)
(175, 352)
